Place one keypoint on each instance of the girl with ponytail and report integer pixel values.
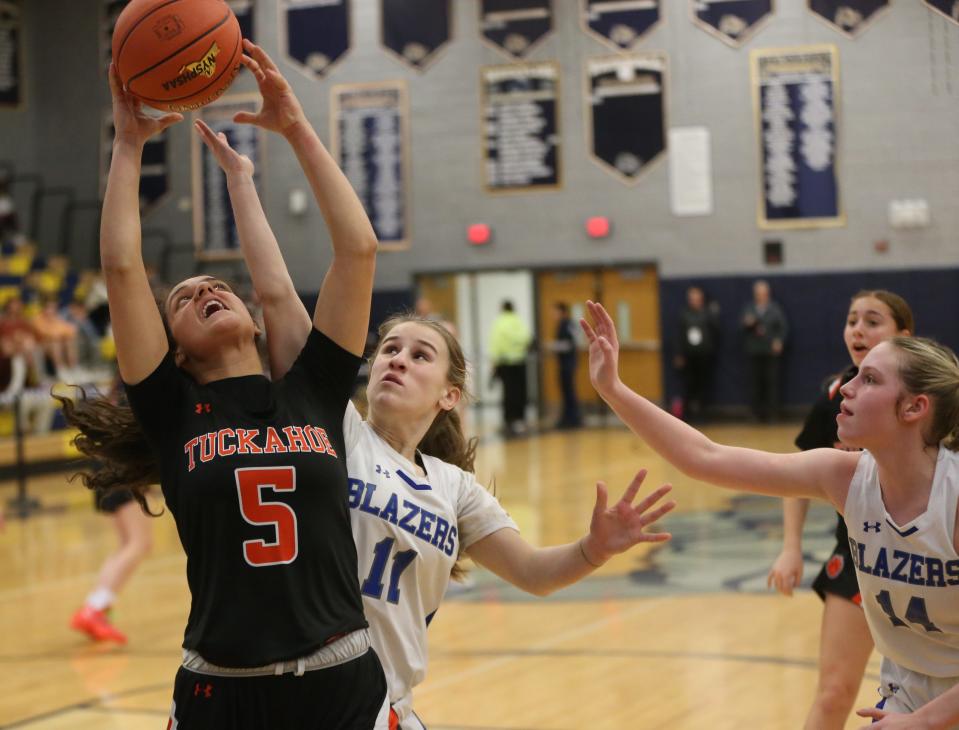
(896, 485)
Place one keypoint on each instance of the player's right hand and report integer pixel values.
(786, 573)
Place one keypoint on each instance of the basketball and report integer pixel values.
(177, 55)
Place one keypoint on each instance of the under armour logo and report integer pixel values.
(202, 408)
(381, 470)
(867, 526)
(207, 691)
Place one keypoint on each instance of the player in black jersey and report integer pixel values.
(253, 471)
(845, 641)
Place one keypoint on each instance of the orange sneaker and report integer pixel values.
(96, 625)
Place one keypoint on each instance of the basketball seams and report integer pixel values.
(225, 19)
(118, 52)
(228, 67)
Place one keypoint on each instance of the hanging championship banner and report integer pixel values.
(521, 128)
(948, 8)
(627, 112)
(619, 23)
(154, 171)
(109, 12)
(415, 30)
(795, 99)
(515, 26)
(315, 34)
(732, 21)
(243, 10)
(11, 54)
(369, 138)
(214, 227)
(848, 16)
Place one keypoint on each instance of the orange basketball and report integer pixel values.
(177, 55)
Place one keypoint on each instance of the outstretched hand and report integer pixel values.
(603, 347)
(615, 529)
(131, 124)
(231, 161)
(882, 720)
(281, 110)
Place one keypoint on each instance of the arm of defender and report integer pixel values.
(612, 530)
(820, 473)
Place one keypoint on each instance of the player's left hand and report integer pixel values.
(615, 529)
(281, 110)
(231, 161)
(883, 720)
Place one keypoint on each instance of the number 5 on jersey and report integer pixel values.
(250, 483)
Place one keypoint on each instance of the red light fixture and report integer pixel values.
(597, 226)
(478, 234)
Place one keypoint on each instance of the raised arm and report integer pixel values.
(137, 327)
(821, 473)
(612, 530)
(343, 308)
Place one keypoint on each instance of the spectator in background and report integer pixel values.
(9, 225)
(509, 343)
(88, 340)
(96, 304)
(766, 329)
(17, 338)
(696, 343)
(57, 338)
(564, 345)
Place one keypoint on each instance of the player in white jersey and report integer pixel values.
(898, 497)
(414, 514)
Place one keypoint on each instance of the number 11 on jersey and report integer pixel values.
(373, 585)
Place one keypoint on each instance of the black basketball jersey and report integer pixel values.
(254, 473)
(819, 431)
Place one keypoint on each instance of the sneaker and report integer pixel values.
(96, 625)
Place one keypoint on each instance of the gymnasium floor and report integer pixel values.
(677, 637)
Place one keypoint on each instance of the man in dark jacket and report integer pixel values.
(695, 346)
(765, 335)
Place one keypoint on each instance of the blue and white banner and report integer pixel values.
(947, 8)
(415, 30)
(620, 23)
(11, 54)
(214, 227)
(515, 26)
(315, 34)
(732, 21)
(520, 122)
(627, 112)
(794, 90)
(154, 172)
(369, 138)
(849, 16)
(243, 10)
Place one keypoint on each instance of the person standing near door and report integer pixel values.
(766, 328)
(564, 345)
(509, 343)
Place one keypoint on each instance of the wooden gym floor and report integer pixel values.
(678, 637)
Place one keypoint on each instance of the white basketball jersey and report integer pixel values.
(409, 530)
(909, 574)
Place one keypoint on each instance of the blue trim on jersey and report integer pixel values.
(907, 533)
(412, 482)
